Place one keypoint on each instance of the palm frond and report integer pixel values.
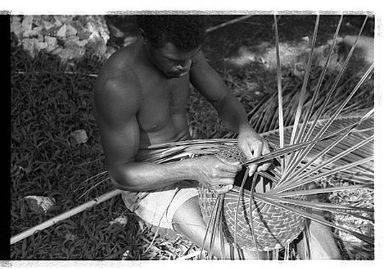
(304, 85)
(279, 86)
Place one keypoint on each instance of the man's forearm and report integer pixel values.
(233, 114)
(143, 176)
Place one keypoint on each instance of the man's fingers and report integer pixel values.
(225, 174)
(263, 167)
(225, 181)
(224, 189)
(266, 149)
(230, 166)
(252, 169)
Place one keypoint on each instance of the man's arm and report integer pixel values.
(116, 105)
(208, 82)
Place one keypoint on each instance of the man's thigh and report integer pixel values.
(158, 208)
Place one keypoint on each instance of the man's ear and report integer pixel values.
(141, 33)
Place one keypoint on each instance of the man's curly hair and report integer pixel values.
(186, 32)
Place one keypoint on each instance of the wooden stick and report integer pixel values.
(65, 215)
(227, 23)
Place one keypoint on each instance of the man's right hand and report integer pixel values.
(217, 174)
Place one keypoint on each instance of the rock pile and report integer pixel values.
(68, 37)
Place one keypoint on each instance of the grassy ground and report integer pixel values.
(49, 104)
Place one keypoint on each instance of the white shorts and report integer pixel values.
(158, 207)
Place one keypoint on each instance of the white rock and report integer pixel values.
(40, 45)
(39, 204)
(27, 23)
(80, 136)
(34, 32)
(51, 43)
(122, 220)
(71, 31)
(57, 51)
(62, 32)
(29, 46)
(48, 25)
(16, 25)
(58, 22)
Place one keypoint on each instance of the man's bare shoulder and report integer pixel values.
(117, 88)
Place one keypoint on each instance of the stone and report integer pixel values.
(70, 31)
(51, 43)
(40, 37)
(122, 221)
(49, 25)
(27, 23)
(29, 46)
(62, 32)
(57, 22)
(57, 51)
(32, 33)
(39, 204)
(16, 26)
(40, 45)
(80, 136)
(79, 33)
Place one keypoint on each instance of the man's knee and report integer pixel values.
(188, 216)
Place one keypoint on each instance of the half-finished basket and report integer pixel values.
(274, 227)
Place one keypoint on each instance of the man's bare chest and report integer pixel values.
(163, 105)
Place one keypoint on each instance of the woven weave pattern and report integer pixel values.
(274, 227)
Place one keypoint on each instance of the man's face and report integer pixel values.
(171, 61)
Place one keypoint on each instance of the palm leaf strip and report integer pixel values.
(295, 162)
(348, 129)
(279, 85)
(304, 85)
(309, 179)
(328, 96)
(251, 209)
(237, 208)
(319, 83)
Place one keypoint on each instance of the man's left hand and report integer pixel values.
(253, 145)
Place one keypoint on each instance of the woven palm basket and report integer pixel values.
(274, 227)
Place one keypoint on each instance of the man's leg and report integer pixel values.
(188, 221)
(322, 244)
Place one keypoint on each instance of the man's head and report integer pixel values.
(171, 41)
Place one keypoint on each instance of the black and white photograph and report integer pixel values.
(174, 135)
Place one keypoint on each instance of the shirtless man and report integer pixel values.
(140, 99)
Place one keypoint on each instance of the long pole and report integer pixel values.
(65, 215)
